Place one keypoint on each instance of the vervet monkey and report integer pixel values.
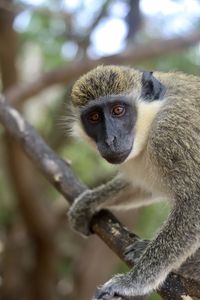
(149, 125)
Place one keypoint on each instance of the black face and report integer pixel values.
(110, 122)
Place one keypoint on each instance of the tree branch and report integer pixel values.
(132, 55)
(59, 173)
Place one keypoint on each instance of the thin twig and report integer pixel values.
(70, 72)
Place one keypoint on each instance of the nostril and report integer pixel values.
(110, 140)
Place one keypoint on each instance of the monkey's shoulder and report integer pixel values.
(179, 84)
(174, 142)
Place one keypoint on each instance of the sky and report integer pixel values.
(172, 17)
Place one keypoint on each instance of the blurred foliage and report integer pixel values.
(49, 35)
(88, 165)
(186, 61)
(151, 218)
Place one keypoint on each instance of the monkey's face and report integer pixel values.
(118, 124)
(110, 122)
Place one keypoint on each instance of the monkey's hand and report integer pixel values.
(128, 285)
(81, 212)
(123, 286)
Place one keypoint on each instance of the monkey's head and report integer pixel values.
(105, 100)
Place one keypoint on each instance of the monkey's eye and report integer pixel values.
(118, 110)
(94, 117)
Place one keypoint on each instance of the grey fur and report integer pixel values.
(171, 156)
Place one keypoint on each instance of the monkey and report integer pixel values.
(148, 124)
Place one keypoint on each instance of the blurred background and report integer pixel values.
(44, 46)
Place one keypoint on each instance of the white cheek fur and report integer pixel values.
(146, 112)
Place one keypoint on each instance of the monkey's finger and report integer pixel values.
(134, 251)
(139, 245)
(101, 295)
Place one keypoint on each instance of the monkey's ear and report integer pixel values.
(152, 88)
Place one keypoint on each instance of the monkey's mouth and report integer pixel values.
(117, 158)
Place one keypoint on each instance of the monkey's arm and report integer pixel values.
(83, 208)
(106, 196)
(177, 240)
(190, 267)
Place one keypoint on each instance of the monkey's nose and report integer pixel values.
(110, 141)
